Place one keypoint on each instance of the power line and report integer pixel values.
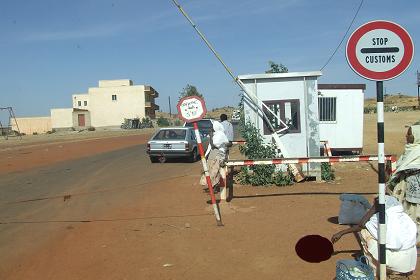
(345, 35)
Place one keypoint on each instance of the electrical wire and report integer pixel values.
(345, 35)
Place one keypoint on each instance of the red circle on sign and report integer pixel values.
(374, 75)
(178, 106)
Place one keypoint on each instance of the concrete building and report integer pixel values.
(341, 116)
(107, 105)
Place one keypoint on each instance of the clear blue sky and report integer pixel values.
(53, 49)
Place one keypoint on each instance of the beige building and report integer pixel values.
(107, 105)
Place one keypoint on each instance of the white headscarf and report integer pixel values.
(410, 159)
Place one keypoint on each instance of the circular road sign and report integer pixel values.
(379, 50)
(191, 108)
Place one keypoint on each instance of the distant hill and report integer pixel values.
(398, 100)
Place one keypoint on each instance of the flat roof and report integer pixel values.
(342, 86)
(280, 75)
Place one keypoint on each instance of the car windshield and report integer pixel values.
(170, 134)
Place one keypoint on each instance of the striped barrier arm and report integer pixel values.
(357, 158)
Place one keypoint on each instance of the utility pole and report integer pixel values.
(418, 87)
(170, 110)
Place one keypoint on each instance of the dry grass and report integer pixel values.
(394, 100)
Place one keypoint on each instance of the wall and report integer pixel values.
(62, 118)
(347, 131)
(278, 89)
(83, 98)
(33, 124)
(104, 111)
(290, 86)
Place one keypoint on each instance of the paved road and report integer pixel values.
(38, 204)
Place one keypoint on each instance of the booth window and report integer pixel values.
(327, 109)
(287, 110)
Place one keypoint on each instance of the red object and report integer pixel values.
(380, 27)
(314, 248)
(206, 172)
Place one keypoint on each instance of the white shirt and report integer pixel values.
(228, 130)
(400, 229)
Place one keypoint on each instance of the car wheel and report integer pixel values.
(162, 159)
(154, 159)
(193, 156)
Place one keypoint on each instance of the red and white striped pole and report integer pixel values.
(206, 173)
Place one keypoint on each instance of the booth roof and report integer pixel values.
(280, 75)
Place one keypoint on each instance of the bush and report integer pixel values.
(146, 123)
(255, 148)
(91, 128)
(177, 122)
(327, 174)
(161, 122)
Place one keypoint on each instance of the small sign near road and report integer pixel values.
(191, 108)
(379, 50)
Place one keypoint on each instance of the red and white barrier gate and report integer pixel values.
(232, 163)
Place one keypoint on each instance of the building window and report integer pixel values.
(85, 103)
(79, 103)
(327, 109)
(287, 110)
(114, 97)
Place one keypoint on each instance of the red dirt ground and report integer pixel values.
(171, 232)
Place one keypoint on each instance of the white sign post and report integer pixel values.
(193, 109)
(380, 50)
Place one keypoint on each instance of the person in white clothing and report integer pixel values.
(401, 251)
(216, 153)
(227, 126)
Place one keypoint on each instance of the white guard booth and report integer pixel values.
(341, 116)
(294, 98)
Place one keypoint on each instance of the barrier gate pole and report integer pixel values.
(206, 173)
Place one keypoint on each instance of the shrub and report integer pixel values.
(327, 174)
(161, 122)
(146, 123)
(177, 122)
(255, 148)
(91, 128)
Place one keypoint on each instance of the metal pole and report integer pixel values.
(170, 110)
(251, 96)
(206, 173)
(381, 179)
(418, 86)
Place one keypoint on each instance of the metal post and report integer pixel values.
(418, 86)
(381, 179)
(206, 173)
(170, 110)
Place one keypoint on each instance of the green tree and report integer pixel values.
(276, 68)
(189, 90)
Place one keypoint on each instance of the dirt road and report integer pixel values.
(114, 215)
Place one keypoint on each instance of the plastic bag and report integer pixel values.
(353, 208)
